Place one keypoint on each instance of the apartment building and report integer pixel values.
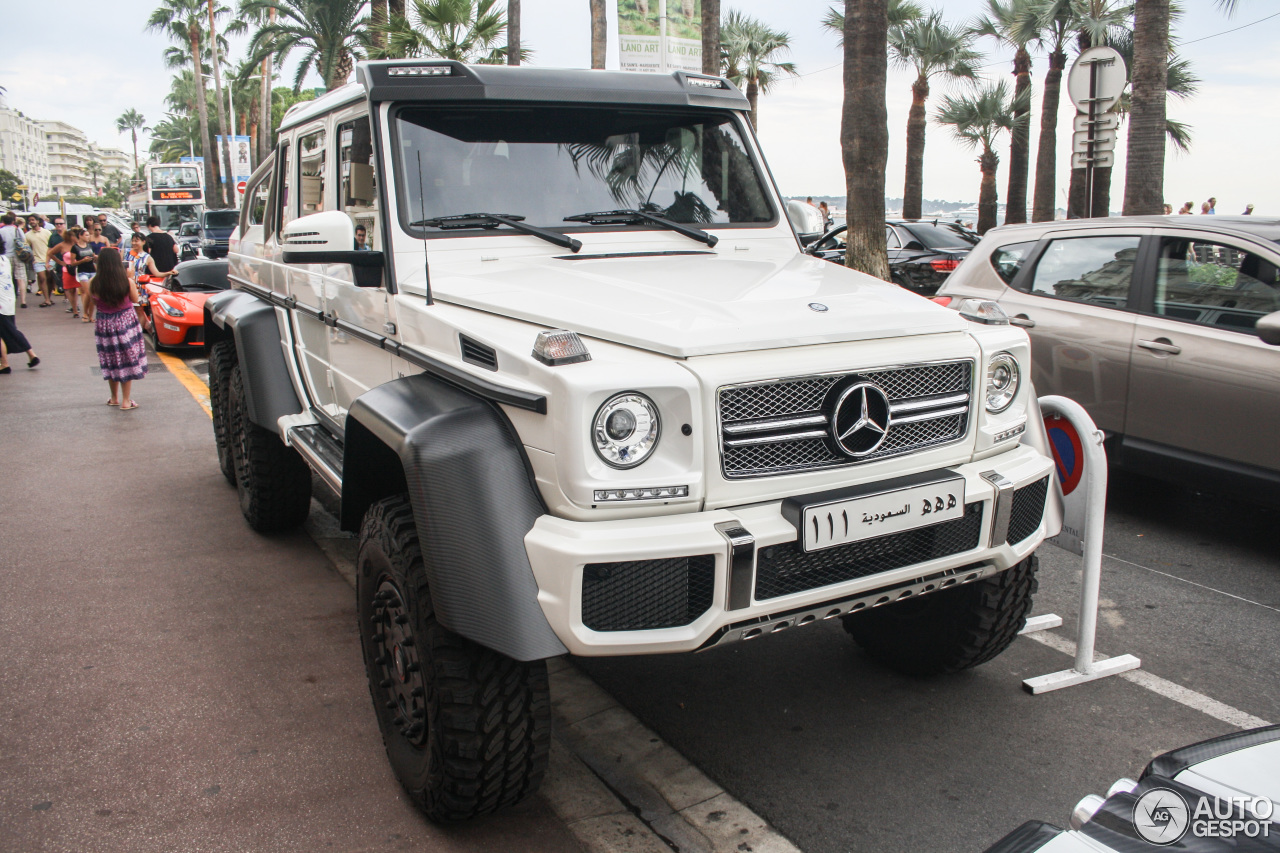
(67, 149)
(113, 160)
(22, 150)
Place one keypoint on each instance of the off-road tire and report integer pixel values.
(273, 480)
(467, 730)
(950, 630)
(222, 358)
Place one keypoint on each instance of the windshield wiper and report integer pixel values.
(635, 217)
(492, 220)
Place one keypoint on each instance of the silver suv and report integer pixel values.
(1164, 328)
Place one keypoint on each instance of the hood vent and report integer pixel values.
(474, 352)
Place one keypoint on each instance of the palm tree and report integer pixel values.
(177, 135)
(1144, 169)
(329, 32)
(976, 121)
(864, 133)
(181, 21)
(751, 50)
(710, 37)
(461, 30)
(1010, 23)
(600, 33)
(1052, 21)
(900, 11)
(930, 47)
(513, 32)
(217, 10)
(132, 121)
(94, 168)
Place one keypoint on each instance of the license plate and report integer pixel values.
(828, 523)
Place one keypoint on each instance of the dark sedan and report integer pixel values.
(922, 253)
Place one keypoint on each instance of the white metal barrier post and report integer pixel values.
(1086, 539)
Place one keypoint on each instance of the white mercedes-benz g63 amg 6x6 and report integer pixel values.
(551, 339)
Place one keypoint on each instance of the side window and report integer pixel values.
(1007, 260)
(1214, 284)
(891, 238)
(358, 183)
(284, 208)
(311, 173)
(1096, 270)
(255, 208)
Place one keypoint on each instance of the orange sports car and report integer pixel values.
(176, 303)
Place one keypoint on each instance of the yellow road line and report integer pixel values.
(189, 379)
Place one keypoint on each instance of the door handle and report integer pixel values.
(1022, 320)
(1163, 345)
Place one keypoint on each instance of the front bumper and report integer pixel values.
(649, 571)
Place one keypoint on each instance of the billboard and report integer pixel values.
(660, 35)
(241, 167)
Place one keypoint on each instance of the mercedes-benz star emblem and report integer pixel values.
(817, 306)
(860, 420)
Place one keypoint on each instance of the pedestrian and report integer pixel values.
(109, 231)
(1213, 204)
(826, 214)
(160, 244)
(141, 268)
(1186, 209)
(38, 239)
(1248, 210)
(53, 271)
(122, 355)
(1204, 209)
(84, 256)
(67, 253)
(1168, 209)
(15, 247)
(11, 340)
(127, 239)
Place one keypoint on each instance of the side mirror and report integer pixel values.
(329, 238)
(1268, 328)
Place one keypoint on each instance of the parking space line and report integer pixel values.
(1193, 583)
(1167, 689)
(190, 380)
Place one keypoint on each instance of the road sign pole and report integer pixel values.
(1093, 116)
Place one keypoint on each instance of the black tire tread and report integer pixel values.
(222, 358)
(274, 482)
(951, 630)
(490, 716)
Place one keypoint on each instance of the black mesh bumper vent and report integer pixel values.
(646, 594)
(1027, 510)
(785, 569)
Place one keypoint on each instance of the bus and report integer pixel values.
(171, 191)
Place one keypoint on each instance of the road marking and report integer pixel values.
(190, 380)
(1193, 583)
(1169, 690)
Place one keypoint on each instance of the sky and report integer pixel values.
(1235, 117)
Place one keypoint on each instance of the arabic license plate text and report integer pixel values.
(837, 523)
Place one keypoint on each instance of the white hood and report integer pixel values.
(695, 304)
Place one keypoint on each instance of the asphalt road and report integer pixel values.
(841, 755)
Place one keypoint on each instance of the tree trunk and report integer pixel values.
(1102, 192)
(988, 200)
(864, 133)
(1015, 210)
(1075, 195)
(753, 95)
(202, 110)
(711, 37)
(264, 104)
(599, 33)
(224, 123)
(341, 71)
(513, 32)
(378, 19)
(913, 190)
(133, 131)
(1144, 170)
(1043, 205)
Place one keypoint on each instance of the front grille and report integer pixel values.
(801, 408)
(785, 569)
(642, 595)
(195, 335)
(1027, 510)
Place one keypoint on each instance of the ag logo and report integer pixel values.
(1161, 816)
(860, 419)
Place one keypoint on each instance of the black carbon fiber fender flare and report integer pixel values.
(252, 323)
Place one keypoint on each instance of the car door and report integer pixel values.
(1074, 300)
(1202, 379)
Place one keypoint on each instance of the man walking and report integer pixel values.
(54, 272)
(160, 244)
(38, 240)
(109, 231)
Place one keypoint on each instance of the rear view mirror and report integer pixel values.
(1268, 328)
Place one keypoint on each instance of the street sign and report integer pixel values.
(240, 187)
(1106, 121)
(1111, 79)
(1103, 140)
(1101, 160)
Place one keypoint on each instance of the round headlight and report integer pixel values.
(626, 429)
(1002, 382)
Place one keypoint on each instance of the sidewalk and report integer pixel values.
(171, 681)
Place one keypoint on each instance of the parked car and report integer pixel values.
(1164, 328)
(922, 253)
(176, 303)
(215, 230)
(188, 240)
(1221, 794)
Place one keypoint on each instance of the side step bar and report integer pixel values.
(321, 450)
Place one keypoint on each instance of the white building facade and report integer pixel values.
(67, 149)
(23, 151)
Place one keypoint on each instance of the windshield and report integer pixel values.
(173, 215)
(175, 177)
(545, 163)
(221, 219)
(943, 235)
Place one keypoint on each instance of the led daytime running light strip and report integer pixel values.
(614, 495)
